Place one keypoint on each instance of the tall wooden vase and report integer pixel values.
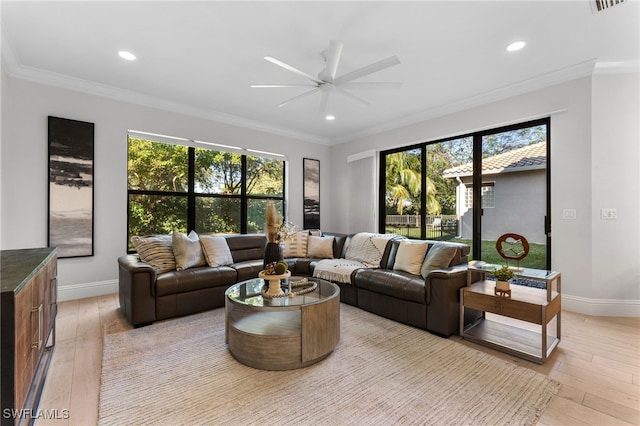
(273, 252)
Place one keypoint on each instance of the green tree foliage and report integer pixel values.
(218, 182)
(441, 156)
(154, 166)
(403, 184)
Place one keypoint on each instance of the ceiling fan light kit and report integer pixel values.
(327, 83)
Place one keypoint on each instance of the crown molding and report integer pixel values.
(573, 72)
(620, 67)
(16, 70)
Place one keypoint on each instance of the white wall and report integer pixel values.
(615, 179)
(25, 167)
(577, 245)
(520, 207)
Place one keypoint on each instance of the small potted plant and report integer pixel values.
(503, 275)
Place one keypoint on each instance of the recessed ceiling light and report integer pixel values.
(516, 46)
(330, 117)
(127, 55)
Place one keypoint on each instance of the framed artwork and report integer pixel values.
(70, 225)
(311, 193)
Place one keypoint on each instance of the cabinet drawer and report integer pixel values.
(504, 306)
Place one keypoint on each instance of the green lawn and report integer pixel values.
(537, 257)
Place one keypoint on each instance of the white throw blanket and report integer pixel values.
(365, 251)
(337, 270)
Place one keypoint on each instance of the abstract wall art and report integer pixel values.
(311, 193)
(71, 157)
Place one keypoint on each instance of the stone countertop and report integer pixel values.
(17, 267)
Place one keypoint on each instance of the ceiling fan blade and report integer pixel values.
(374, 86)
(323, 101)
(262, 86)
(292, 69)
(369, 69)
(295, 98)
(333, 59)
(353, 97)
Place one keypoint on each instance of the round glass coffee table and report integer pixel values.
(281, 333)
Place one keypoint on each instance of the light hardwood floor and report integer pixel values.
(597, 362)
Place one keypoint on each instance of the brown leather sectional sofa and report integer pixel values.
(431, 303)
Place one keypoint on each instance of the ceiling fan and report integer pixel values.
(327, 82)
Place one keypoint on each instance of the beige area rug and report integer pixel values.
(381, 372)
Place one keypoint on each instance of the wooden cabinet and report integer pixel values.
(27, 332)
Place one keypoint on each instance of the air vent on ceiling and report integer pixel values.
(600, 5)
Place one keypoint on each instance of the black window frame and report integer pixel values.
(192, 195)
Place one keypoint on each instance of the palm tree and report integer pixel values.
(404, 182)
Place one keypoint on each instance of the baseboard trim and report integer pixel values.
(601, 307)
(81, 291)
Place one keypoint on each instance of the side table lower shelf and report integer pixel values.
(533, 306)
(510, 339)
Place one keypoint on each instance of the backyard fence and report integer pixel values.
(438, 227)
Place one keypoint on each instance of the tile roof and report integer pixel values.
(528, 157)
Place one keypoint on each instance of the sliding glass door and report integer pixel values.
(514, 195)
(473, 189)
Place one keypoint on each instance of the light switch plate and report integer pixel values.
(609, 214)
(569, 214)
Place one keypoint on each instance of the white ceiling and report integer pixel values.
(201, 57)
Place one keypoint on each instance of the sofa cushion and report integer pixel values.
(176, 282)
(320, 247)
(248, 269)
(410, 256)
(216, 250)
(296, 244)
(439, 256)
(246, 246)
(187, 250)
(397, 284)
(157, 251)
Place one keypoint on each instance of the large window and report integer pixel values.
(176, 187)
(472, 189)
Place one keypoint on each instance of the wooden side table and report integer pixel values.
(529, 304)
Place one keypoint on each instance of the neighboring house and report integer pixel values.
(513, 194)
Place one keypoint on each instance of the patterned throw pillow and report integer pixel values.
(410, 256)
(296, 245)
(156, 251)
(320, 247)
(216, 250)
(438, 257)
(187, 250)
(367, 248)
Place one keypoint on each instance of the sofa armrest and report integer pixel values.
(136, 289)
(443, 299)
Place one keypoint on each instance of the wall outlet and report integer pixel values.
(609, 214)
(569, 214)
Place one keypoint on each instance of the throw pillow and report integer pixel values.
(187, 250)
(216, 250)
(320, 247)
(156, 251)
(367, 248)
(438, 257)
(296, 245)
(410, 256)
